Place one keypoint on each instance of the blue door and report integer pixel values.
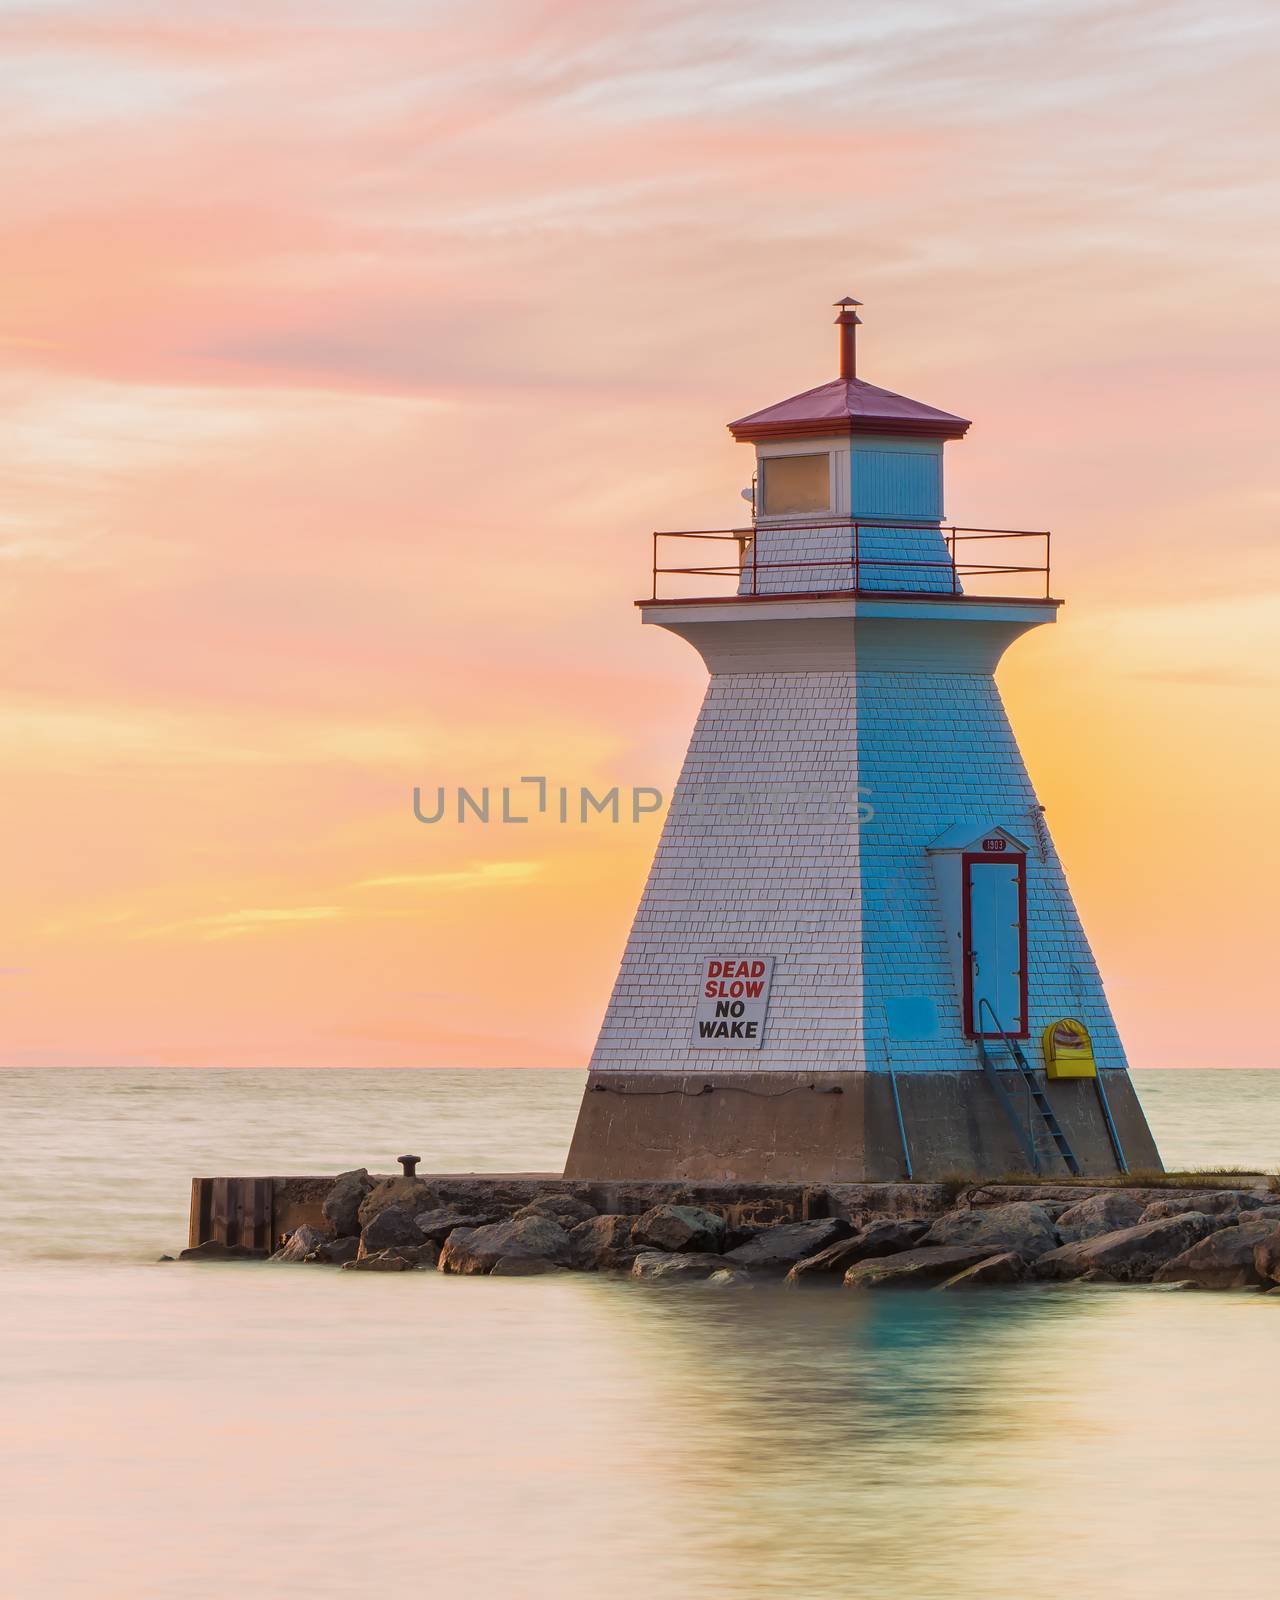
(996, 943)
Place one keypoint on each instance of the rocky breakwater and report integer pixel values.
(864, 1237)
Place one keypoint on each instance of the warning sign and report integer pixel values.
(733, 996)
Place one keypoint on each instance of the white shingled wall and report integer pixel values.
(775, 877)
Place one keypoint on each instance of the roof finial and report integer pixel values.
(848, 323)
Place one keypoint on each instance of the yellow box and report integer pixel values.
(1068, 1050)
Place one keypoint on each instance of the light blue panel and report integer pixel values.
(892, 478)
(897, 483)
(934, 746)
(912, 1018)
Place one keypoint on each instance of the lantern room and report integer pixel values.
(850, 459)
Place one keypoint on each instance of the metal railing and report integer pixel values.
(857, 572)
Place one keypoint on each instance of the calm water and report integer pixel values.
(243, 1433)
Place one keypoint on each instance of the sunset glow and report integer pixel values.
(352, 352)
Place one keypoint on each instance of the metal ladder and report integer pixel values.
(1025, 1130)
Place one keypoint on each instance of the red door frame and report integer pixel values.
(991, 858)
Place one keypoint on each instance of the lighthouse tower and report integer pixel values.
(856, 956)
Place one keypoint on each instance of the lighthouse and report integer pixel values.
(856, 956)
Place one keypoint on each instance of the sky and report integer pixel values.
(352, 352)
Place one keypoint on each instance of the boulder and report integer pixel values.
(1100, 1213)
(1223, 1260)
(1008, 1267)
(1022, 1225)
(1046, 1194)
(301, 1245)
(336, 1252)
(439, 1223)
(731, 1278)
(393, 1226)
(1228, 1203)
(778, 1249)
(215, 1250)
(886, 1236)
(668, 1228)
(670, 1266)
(342, 1204)
(469, 1251)
(1130, 1255)
(1266, 1258)
(410, 1194)
(603, 1244)
(915, 1269)
(522, 1267)
(565, 1208)
(381, 1261)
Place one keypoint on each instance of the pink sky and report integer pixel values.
(351, 355)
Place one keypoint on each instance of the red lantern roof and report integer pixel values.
(848, 405)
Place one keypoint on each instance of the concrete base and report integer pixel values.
(839, 1127)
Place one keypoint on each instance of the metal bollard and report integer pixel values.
(410, 1164)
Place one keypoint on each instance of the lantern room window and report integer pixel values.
(796, 484)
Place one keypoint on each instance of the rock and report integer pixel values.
(1266, 1258)
(1224, 1260)
(1130, 1255)
(522, 1267)
(410, 1194)
(664, 1265)
(679, 1228)
(438, 1224)
(215, 1250)
(1009, 1267)
(381, 1261)
(886, 1236)
(565, 1208)
(778, 1249)
(421, 1255)
(1048, 1195)
(915, 1269)
(341, 1205)
(305, 1242)
(393, 1226)
(1213, 1202)
(469, 1251)
(731, 1278)
(603, 1244)
(166, 1258)
(336, 1252)
(1022, 1226)
(1101, 1213)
